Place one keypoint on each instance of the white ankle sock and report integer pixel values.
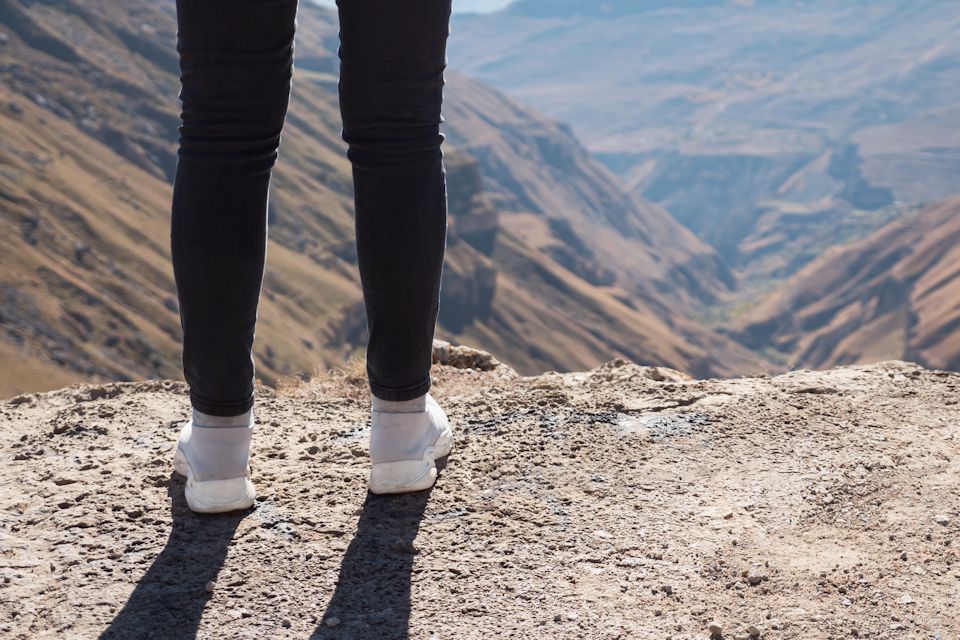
(399, 406)
(218, 447)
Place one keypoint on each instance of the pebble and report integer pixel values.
(755, 579)
(716, 631)
(941, 519)
(211, 586)
(332, 621)
(753, 631)
(285, 623)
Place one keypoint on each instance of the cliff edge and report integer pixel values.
(622, 502)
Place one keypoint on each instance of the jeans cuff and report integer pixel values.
(401, 393)
(221, 408)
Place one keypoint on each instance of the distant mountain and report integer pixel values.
(769, 128)
(895, 294)
(551, 265)
(602, 8)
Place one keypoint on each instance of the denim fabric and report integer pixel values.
(237, 67)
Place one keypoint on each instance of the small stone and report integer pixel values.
(332, 621)
(941, 519)
(716, 631)
(667, 589)
(905, 599)
(210, 586)
(753, 632)
(755, 579)
(728, 515)
(572, 616)
(285, 623)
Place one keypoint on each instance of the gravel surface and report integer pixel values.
(624, 502)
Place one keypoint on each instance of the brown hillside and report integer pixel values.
(88, 116)
(893, 294)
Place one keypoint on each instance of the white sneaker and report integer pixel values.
(404, 448)
(210, 495)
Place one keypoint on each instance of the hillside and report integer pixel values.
(622, 502)
(771, 129)
(895, 294)
(88, 116)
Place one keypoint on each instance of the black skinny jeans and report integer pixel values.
(236, 61)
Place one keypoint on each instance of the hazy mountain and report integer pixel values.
(459, 6)
(552, 264)
(892, 295)
(772, 129)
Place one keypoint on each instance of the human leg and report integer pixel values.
(236, 60)
(393, 55)
(392, 59)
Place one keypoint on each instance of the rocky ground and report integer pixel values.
(623, 502)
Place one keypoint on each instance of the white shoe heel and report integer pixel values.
(411, 474)
(214, 496)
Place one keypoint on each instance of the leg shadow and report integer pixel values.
(372, 596)
(169, 600)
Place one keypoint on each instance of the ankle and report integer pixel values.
(201, 419)
(414, 405)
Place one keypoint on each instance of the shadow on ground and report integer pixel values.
(168, 601)
(372, 596)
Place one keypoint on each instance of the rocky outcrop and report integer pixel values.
(621, 502)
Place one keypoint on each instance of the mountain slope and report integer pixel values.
(893, 294)
(88, 116)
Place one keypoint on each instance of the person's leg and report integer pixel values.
(392, 60)
(236, 60)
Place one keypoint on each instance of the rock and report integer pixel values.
(462, 357)
(332, 621)
(941, 519)
(905, 599)
(716, 631)
(211, 586)
(753, 631)
(755, 578)
(285, 623)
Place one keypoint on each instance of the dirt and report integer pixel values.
(624, 502)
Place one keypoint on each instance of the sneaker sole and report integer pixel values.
(214, 496)
(406, 476)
